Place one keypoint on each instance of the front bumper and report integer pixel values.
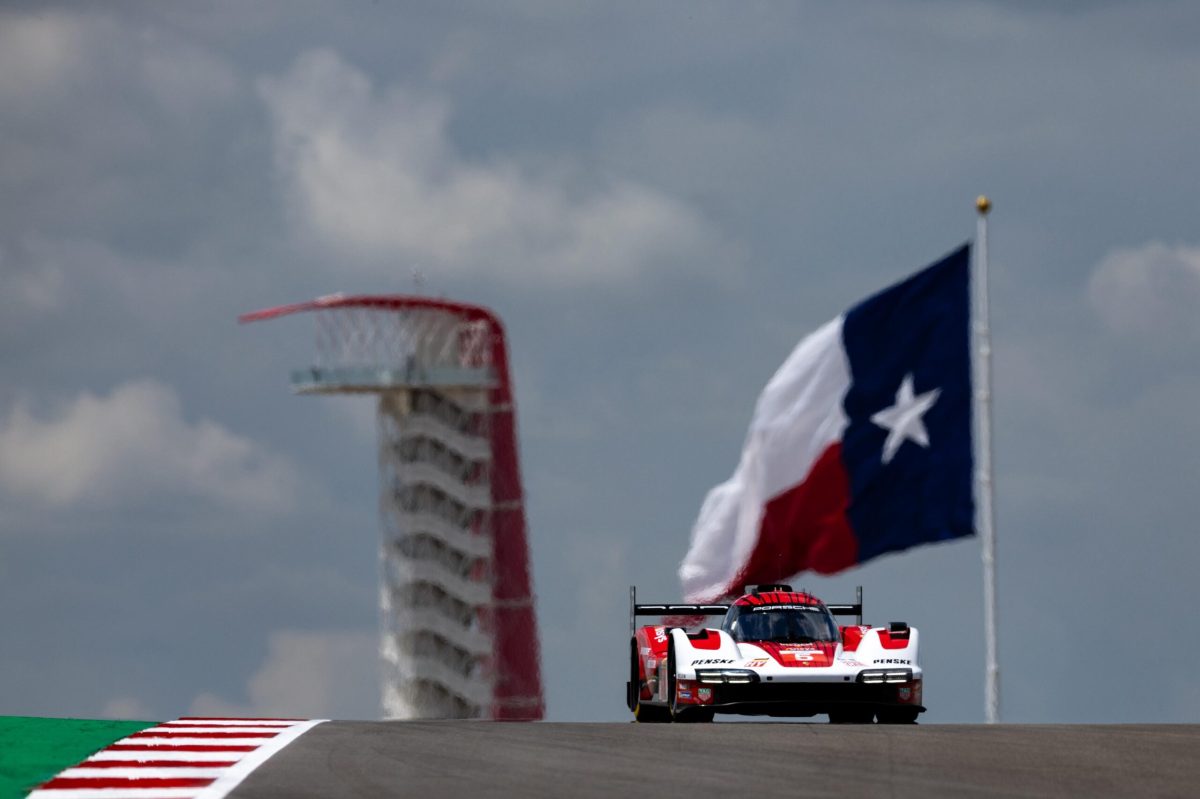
(804, 698)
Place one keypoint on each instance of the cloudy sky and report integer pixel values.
(659, 199)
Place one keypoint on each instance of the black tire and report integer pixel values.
(643, 714)
(651, 714)
(898, 715)
(852, 715)
(633, 688)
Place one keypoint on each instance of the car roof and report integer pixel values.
(778, 598)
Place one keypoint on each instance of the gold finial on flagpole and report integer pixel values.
(983, 204)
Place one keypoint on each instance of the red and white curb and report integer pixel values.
(190, 758)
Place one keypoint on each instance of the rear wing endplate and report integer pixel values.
(854, 610)
(636, 610)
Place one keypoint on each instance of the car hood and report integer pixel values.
(812, 655)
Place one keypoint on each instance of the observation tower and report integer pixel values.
(458, 625)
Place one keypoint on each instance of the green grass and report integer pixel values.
(32, 750)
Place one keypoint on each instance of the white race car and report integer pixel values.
(778, 652)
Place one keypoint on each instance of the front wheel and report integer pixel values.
(650, 714)
(643, 714)
(685, 714)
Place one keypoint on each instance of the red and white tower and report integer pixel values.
(459, 629)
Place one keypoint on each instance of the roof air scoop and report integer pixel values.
(759, 589)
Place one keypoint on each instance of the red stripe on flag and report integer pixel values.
(167, 748)
(181, 732)
(130, 782)
(805, 528)
(157, 764)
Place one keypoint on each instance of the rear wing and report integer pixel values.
(636, 610)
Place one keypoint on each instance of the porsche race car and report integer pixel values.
(777, 652)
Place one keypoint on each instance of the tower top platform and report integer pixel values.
(365, 380)
(385, 302)
(379, 343)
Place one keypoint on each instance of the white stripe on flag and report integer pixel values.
(798, 416)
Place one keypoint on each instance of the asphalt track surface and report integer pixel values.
(336, 760)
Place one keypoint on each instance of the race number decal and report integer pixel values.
(806, 658)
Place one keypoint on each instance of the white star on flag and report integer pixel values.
(903, 420)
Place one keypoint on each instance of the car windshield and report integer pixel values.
(783, 624)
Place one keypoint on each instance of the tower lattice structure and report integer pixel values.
(458, 624)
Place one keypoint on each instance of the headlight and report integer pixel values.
(732, 676)
(880, 676)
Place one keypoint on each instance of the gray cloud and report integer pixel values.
(378, 175)
(1151, 291)
(131, 444)
(125, 707)
(308, 674)
(38, 53)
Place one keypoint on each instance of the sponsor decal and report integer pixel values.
(904, 693)
(757, 663)
(891, 661)
(711, 661)
(685, 694)
(851, 663)
(660, 634)
(812, 608)
(704, 694)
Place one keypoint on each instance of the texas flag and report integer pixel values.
(860, 444)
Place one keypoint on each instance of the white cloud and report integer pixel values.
(37, 52)
(132, 444)
(1154, 290)
(53, 54)
(309, 674)
(376, 175)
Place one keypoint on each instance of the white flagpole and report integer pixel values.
(983, 466)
